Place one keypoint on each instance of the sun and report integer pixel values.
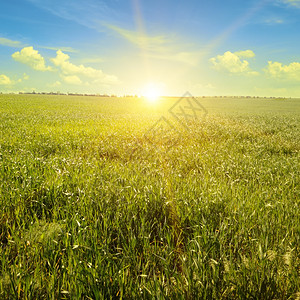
(152, 95)
(152, 92)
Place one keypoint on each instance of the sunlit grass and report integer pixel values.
(84, 216)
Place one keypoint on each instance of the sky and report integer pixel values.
(210, 48)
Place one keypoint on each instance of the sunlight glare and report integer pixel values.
(152, 92)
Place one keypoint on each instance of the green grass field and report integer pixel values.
(91, 209)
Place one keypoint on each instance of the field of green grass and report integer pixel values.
(95, 205)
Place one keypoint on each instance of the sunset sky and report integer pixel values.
(230, 47)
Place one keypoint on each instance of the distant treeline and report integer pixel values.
(135, 96)
(68, 94)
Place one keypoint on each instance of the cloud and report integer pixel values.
(72, 79)
(25, 76)
(245, 53)
(32, 58)
(232, 63)
(71, 72)
(295, 3)
(5, 80)
(87, 15)
(10, 43)
(280, 71)
(54, 84)
(273, 21)
(65, 49)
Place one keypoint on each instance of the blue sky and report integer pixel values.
(216, 47)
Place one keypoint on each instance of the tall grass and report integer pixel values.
(83, 216)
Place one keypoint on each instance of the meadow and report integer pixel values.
(96, 204)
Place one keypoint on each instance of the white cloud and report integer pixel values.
(87, 15)
(72, 79)
(278, 70)
(32, 58)
(55, 84)
(5, 80)
(25, 76)
(245, 53)
(232, 63)
(10, 43)
(71, 72)
(295, 3)
(65, 49)
(273, 21)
